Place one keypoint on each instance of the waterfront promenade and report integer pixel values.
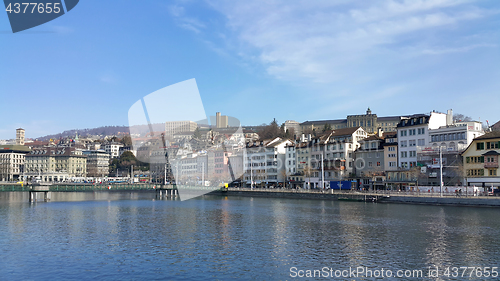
(408, 197)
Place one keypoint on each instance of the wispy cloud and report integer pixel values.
(189, 23)
(322, 41)
(441, 51)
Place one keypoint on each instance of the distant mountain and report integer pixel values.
(104, 131)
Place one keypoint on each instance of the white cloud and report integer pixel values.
(323, 41)
(440, 51)
(189, 23)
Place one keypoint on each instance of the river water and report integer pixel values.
(222, 238)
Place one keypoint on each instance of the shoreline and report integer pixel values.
(382, 197)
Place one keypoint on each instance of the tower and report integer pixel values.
(20, 136)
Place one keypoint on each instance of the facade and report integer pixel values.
(264, 162)
(370, 164)
(12, 162)
(173, 127)
(413, 132)
(113, 149)
(329, 157)
(293, 125)
(391, 151)
(480, 161)
(221, 121)
(369, 122)
(455, 137)
(55, 163)
(97, 163)
(20, 136)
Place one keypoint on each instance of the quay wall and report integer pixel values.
(424, 199)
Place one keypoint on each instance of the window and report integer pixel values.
(480, 146)
(370, 164)
(492, 145)
(374, 145)
(421, 142)
(378, 164)
(412, 142)
(493, 172)
(392, 164)
(413, 154)
(412, 132)
(392, 148)
(403, 133)
(392, 155)
(404, 144)
(404, 154)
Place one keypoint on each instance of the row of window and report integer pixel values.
(405, 154)
(474, 159)
(489, 145)
(408, 164)
(475, 172)
(412, 132)
(448, 137)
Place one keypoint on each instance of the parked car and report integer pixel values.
(494, 192)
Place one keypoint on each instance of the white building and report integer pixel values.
(264, 162)
(12, 161)
(173, 127)
(414, 131)
(113, 149)
(455, 137)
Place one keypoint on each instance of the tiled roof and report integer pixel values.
(490, 135)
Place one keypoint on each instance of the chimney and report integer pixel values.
(380, 131)
(449, 117)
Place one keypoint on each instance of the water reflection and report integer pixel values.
(226, 238)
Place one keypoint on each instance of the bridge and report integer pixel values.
(39, 192)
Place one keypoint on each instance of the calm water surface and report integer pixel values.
(219, 238)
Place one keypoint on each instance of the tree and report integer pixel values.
(461, 118)
(270, 131)
(126, 160)
(126, 140)
(290, 133)
(307, 172)
(197, 133)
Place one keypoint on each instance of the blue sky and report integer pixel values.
(253, 60)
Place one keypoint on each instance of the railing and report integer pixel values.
(13, 187)
(81, 187)
(469, 193)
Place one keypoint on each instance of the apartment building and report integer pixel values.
(264, 162)
(12, 162)
(55, 163)
(97, 163)
(480, 161)
(413, 132)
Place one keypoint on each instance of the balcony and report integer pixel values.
(491, 164)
